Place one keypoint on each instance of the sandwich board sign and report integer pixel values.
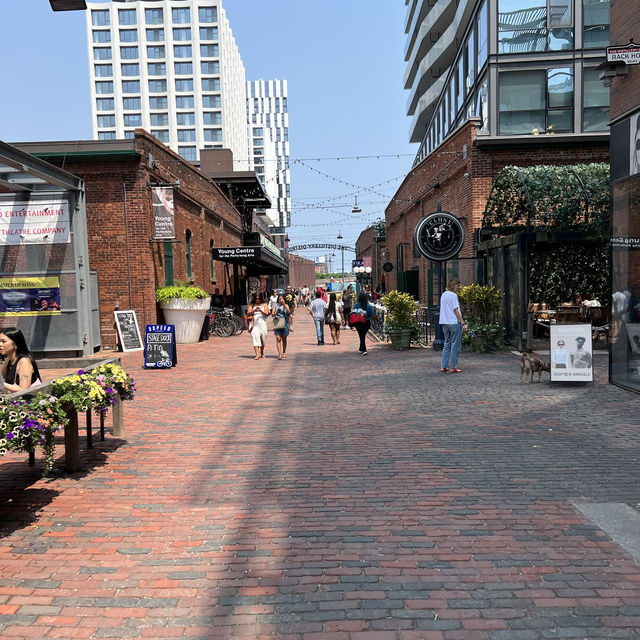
(160, 346)
(571, 353)
(128, 331)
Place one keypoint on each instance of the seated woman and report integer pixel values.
(19, 369)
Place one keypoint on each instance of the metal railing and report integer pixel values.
(426, 318)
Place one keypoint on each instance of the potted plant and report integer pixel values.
(400, 318)
(481, 306)
(184, 306)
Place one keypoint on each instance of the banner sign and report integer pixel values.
(128, 331)
(629, 54)
(571, 354)
(42, 222)
(163, 218)
(159, 346)
(229, 253)
(30, 296)
(439, 236)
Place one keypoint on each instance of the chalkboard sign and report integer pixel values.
(128, 331)
(159, 346)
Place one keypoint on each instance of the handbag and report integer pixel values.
(279, 323)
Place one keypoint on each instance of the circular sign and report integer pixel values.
(439, 236)
(387, 267)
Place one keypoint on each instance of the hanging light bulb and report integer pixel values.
(356, 208)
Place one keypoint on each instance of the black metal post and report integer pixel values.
(438, 343)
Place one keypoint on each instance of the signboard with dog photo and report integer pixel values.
(571, 353)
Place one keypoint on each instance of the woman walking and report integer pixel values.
(347, 303)
(452, 327)
(257, 313)
(333, 317)
(19, 370)
(365, 309)
(280, 313)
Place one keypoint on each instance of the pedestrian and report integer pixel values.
(272, 299)
(281, 312)
(333, 317)
(347, 303)
(363, 308)
(452, 327)
(257, 314)
(317, 309)
(19, 370)
(290, 299)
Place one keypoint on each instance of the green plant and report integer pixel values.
(480, 303)
(180, 290)
(483, 337)
(400, 311)
(380, 227)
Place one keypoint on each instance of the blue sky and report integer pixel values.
(343, 60)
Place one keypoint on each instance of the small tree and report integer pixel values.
(480, 303)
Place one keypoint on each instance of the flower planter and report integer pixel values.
(187, 317)
(400, 339)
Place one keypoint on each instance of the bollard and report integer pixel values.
(102, 425)
(118, 419)
(89, 429)
(71, 444)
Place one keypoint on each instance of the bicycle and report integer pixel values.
(224, 322)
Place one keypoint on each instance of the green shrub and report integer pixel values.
(180, 290)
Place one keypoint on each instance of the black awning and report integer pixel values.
(258, 259)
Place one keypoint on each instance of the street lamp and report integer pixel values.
(68, 5)
(339, 237)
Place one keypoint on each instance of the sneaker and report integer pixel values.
(364, 353)
(319, 342)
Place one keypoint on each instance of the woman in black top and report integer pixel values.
(19, 369)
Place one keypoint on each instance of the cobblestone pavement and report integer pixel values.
(331, 496)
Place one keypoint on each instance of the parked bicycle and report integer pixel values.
(224, 322)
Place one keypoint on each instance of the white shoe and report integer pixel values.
(364, 353)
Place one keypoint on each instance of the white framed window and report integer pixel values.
(129, 53)
(155, 35)
(185, 102)
(102, 53)
(131, 86)
(128, 35)
(209, 50)
(213, 135)
(158, 102)
(182, 51)
(159, 119)
(100, 18)
(184, 85)
(130, 69)
(105, 104)
(212, 117)
(211, 101)
(157, 68)
(186, 119)
(211, 84)
(208, 33)
(183, 68)
(155, 52)
(188, 153)
(157, 86)
(182, 34)
(153, 16)
(100, 37)
(104, 87)
(208, 14)
(181, 16)
(130, 104)
(106, 135)
(133, 120)
(160, 134)
(186, 135)
(127, 16)
(103, 70)
(210, 67)
(107, 121)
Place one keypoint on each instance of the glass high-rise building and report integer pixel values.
(522, 66)
(171, 67)
(268, 119)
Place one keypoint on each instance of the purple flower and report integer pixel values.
(9, 436)
(80, 372)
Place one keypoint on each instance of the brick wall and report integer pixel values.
(301, 271)
(366, 246)
(625, 24)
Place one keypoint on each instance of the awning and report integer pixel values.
(258, 259)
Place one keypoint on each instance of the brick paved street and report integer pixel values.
(331, 496)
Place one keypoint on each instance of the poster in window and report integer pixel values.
(30, 222)
(30, 296)
(128, 330)
(571, 353)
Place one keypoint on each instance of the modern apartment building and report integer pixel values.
(524, 67)
(171, 67)
(269, 143)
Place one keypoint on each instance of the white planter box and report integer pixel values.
(187, 316)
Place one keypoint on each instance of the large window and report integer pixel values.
(131, 86)
(209, 50)
(130, 104)
(157, 86)
(185, 102)
(210, 67)
(181, 16)
(157, 68)
(102, 53)
(186, 119)
(105, 104)
(100, 37)
(103, 70)
(160, 134)
(208, 33)
(208, 14)
(211, 84)
(188, 153)
(131, 69)
(106, 121)
(183, 68)
(127, 16)
(153, 16)
(155, 35)
(483, 35)
(155, 52)
(595, 100)
(104, 87)
(129, 53)
(106, 135)
(182, 51)
(184, 85)
(212, 117)
(100, 18)
(182, 34)
(186, 135)
(128, 35)
(211, 102)
(596, 23)
(158, 102)
(560, 99)
(213, 135)
(133, 120)
(159, 119)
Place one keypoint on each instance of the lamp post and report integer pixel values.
(339, 237)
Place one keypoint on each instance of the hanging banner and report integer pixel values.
(30, 296)
(42, 222)
(163, 218)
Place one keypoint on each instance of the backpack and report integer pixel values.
(357, 316)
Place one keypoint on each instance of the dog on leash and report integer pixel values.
(530, 364)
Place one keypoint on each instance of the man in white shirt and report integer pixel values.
(317, 309)
(452, 326)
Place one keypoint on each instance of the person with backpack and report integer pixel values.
(361, 313)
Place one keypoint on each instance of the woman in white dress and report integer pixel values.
(257, 314)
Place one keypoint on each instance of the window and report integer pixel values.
(101, 36)
(183, 68)
(100, 18)
(482, 35)
(187, 249)
(212, 263)
(212, 117)
(208, 14)
(133, 120)
(157, 68)
(102, 53)
(186, 119)
(186, 135)
(105, 104)
(130, 134)
(159, 119)
(184, 85)
(106, 135)
(158, 102)
(182, 34)
(560, 99)
(129, 53)
(130, 69)
(208, 33)
(155, 52)
(160, 134)
(155, 35)
(286, 134)
(284, 105)
(131, 86)
(213, 135)
(258, 142)
(128, 35)
(185, 102)
(106, 121)
(127, 16)
(595, 98)
(596, 23)
(210, 67)
(129, 104)
(168, 262)
(182, 51)
(209, 50)
(153, 16)
(181, 16)
(258, 131)
(104, 87)
(211, 84)
(157, 86)
(103, 70)
(188, 153)
(211, 102)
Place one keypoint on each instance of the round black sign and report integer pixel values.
(439, 236)
(387, 267)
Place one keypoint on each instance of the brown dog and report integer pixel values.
(530, 364)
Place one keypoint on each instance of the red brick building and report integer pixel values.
(301, 271)
(372, 245)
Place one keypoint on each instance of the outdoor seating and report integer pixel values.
(568, 315)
